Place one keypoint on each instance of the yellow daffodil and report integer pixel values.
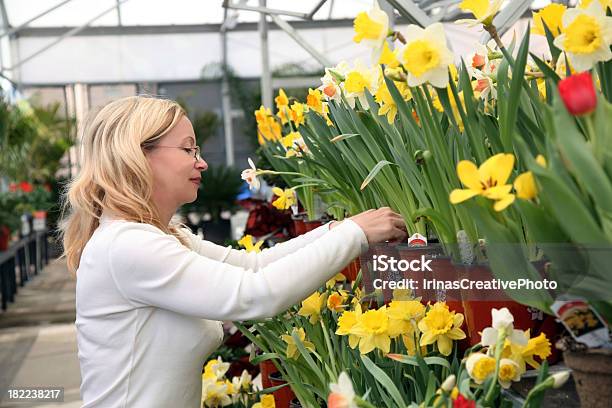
(488, 180)
(371, 28)
(484, 11)
(339, 277)
(336, 301)
(605, 4)
(262, 114)
(441, 326)
(525, 354)
(247, 243)
(281, 100)
(480, 366)
(314, 100)
(266, 401)
(312, 306)
(454, 106)
(426, 56)
(269, 129)
(404, 316)
(292, 350)
(386, 101)
(508, 371)
(215, 369)
(215, 394)
(347, 323)
(372, 330)
(550, 15)
(288, 140)
(402, 294)
(286, 198)
(586, 37)
(388, 57)
(297, 113)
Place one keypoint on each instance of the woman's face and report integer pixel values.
(176, 171)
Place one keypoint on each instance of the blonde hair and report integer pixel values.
(115, 174)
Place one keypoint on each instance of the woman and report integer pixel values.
(151, 296)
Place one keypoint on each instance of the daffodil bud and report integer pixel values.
(560, 378)
(449, 383)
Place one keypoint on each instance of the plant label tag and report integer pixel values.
(417, 240)
(582, 321)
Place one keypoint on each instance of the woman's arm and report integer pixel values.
(151, 268)
(253, 260)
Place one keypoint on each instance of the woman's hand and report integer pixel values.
(380, 225)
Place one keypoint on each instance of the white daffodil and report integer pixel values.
(586, 36)
(508, 371)
(483, 10)
(356, 82)
(332, 79)
(480, 366)
(215, 393)
(372, 28)
(426, 56)
(502, 321)
(250, 176)
(342, 393)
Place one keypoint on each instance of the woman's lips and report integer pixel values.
(195, 181)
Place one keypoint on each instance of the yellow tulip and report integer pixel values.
(488, 180)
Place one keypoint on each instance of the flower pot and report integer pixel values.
(39, 223)
(311, 225)
(267, 368)
(299, 228)
(5, 236)
(351, 270)
(408, 253)
(477, 306)
(592, 371)
(283, 396)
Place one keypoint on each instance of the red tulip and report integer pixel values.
(462, 402)
(578, 93)
(26, 187)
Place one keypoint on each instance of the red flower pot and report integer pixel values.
(283, 396)
(351, 270)
(445, 270)
(311, 225)
(408, 253)
(5, 235)
(299, 228)
(267, 368)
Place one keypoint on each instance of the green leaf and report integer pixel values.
(374, 172)
(383, 379)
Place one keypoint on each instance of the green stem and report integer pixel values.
(499, 347)
(330, 350)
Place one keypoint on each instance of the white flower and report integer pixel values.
(214, 394)
(483, 10)
(356, 82)
(332, 79)
(242, 382)
(426, 56)
(250, 176)
(502, 321)
(508, 371)
(586, 36)
(342, 393)
(449, 383)
(560, 378)
(372, 28)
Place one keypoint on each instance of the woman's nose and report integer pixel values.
(201, 165)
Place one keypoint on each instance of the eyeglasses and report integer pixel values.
(192, 151)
